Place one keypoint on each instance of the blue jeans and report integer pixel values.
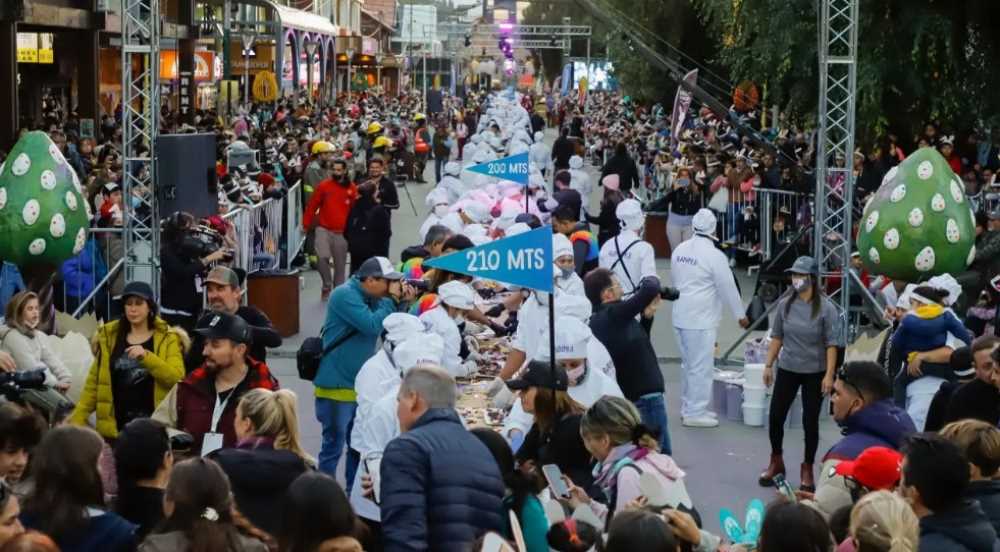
(653, 412)
(337, 419)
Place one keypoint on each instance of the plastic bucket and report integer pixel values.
(719, 397)
(754, 394)
(734, 398)
(753, 415)
(754, 374)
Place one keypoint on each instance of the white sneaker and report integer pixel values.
(700, 421)
(712, 414)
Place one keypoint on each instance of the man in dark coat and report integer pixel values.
(624, 166)
(562, 150)
(441, 489)
(863, 407)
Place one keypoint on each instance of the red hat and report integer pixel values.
(877, 468)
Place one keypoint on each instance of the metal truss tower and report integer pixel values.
(833, 236)
(140, 30)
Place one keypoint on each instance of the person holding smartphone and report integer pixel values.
(804, 345)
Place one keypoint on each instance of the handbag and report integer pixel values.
(311, 352)
(720, 199)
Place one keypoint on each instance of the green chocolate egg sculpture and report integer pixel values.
(919, 223)
(43, 212)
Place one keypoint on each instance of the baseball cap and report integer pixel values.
(222, 325)
(224, 276)
(378, 267)
(540, 374)
(139, 289)
(876, 468)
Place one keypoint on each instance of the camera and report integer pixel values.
(201, 241)
(668, 293)
(12, 384)
(418, 284)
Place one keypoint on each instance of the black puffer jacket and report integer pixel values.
(962, 529)
(440, 487)
(259, 476)
(988, 495)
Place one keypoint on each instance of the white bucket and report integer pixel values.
(754, 374)
(753, 415)
(754, 394)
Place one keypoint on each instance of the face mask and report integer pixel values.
(566, 272)
(683, 182)
(136, 202)
(799, 283)
(440, 210)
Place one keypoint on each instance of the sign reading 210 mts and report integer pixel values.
(523, 260)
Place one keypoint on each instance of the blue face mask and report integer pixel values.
(136, 202)
(683, 182)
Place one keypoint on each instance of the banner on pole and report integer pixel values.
(523, 260)
(682, 102)
(513, 168)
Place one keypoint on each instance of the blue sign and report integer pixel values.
(523, 260)
(513, 168)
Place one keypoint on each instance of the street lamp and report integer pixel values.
(350, 56)
(248, 37)
(378, 70)
(311, 47)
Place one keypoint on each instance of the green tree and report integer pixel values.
(918, 60)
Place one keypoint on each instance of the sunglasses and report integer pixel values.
(843, 376)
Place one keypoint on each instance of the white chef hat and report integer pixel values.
(572, 337)
(400, 326)
(436, 196)
(561, 246)
(704, 222)
(629, 213)
(507, 215)
(539, 136)
(452, 168)
(476, 211)
(456, 294)
(517, 228)
(424, 349)
(575, 162)
(904, 298)
(573, 306)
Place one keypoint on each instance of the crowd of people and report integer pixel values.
(182, 438)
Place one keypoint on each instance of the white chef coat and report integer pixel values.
(638, 261)
(572, 285)
(454, 186)
(380, 426)
(595, 385)
(377, 376)
(532, 322)
(431, 220)
(541, 155)
(438, 321)
(701, 274)
(580, 181)
(454, 222)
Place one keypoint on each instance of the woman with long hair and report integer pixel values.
(268, 455)
(883, 522)
(137, 360)
(200, 515)
(606, 221)
(613, 432)
(554, 437)
(794, 526)
(143, 461)
(19, 337)
(521, 491)
(67, 501)
(804, 338)
(683, 200)
(316, 517)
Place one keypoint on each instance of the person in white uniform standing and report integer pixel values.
(455, 300)
(702, 275)
(541, 154)
(627, 255)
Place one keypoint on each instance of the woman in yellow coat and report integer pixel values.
(137, 360)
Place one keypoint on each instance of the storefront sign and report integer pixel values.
(203, 64)
(186, 92)
(261, 60)
(35, 48)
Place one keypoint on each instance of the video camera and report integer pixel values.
(13, 384)
(201, 241)
(668, 293)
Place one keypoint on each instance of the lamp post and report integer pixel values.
(350, 57)
(311, 46)
(248, 38)
(378, 70)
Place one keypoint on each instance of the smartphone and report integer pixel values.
(373, 461)
(784, 488)
(556, 484)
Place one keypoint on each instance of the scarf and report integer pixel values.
(605, 473)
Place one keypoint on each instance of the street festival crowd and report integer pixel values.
(436, 390)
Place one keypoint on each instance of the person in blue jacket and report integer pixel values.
(353, 324)
(440, 488)
(80, 275)
(11, 283)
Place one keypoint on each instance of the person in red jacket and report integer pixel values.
(204, 403)
(328, 208)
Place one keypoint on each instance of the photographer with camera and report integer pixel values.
(183, 260)
(137, 360)
(614, 323)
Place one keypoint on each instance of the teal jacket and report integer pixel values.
(534, 524)
(350, 309)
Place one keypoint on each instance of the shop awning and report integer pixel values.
(302, 20)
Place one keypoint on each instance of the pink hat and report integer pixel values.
(610, 181)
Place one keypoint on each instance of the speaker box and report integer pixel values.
(185, 170)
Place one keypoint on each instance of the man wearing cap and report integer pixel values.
(447, 319)
(204, 403)
(223, 294)
(327, 212)
(354, 320)
(843, 483)
(702, 275)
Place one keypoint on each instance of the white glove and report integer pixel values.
(503, 399)
(495, 386)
